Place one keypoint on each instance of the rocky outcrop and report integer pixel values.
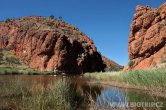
(147, 40)
(111, 65)
(48, 44)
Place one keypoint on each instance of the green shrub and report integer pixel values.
(51, 17)
(1, 57)
(131, 63)
(7, 20)
(114, 68)
(12, 60)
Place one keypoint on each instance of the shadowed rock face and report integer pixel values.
(147, 40)
(111, 65)
(48, 44)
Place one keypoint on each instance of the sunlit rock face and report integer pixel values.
(48, 44)
(147, 39)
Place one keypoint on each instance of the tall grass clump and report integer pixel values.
(13, 88)
(150, 77)
(55, 97)
(103, 76)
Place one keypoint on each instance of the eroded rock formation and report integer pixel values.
(48, 44)
(111, 65)
(147, 40)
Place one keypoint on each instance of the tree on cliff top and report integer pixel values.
(51, 17)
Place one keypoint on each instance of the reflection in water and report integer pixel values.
(111, 97)
(103, 96)
(116, 98)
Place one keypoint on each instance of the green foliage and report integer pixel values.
(1, 57)
(114, 68)
(1, 54)
(13, 88)
(10, 70)
(9, 64)
(151, 78)
(131, 63)
(56, 96)
(51, 17)
(7, 20)
(12, 60)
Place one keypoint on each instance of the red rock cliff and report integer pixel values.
(147, 40)
(48, 44)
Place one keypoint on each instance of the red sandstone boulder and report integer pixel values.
(147, 40)
(51, 45)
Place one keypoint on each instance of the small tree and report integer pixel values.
(131, 63)
(51, 17)
(7, 20)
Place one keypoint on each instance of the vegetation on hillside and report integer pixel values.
(114, 68)
(39, 23)
(7, 59)
(131, 63)
(9, 65)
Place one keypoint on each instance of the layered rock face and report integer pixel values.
(147, 40)
(48, 44)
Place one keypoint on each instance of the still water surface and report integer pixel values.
(102, 95)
